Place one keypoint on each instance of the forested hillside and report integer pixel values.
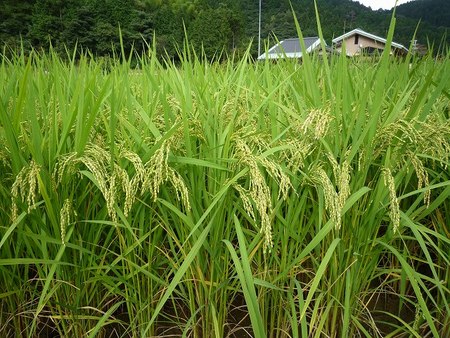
(225, 25)
(434, 12)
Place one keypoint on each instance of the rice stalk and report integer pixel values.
(66, 213)
(394, 208)
(335, 192)
(25, 188)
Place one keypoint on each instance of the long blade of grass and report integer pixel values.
(103, 320)
(245, 275)
(178, 276)
(11, 228)
(318, 276)
(413, 277)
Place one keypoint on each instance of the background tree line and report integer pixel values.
(216, 27)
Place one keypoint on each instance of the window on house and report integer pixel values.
(356, 39)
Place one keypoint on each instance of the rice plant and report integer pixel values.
(234, 199)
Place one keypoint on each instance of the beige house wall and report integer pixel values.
(363, 42)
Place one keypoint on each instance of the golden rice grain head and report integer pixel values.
(245, 123)
(158, 118)
(134, 159)
(125, 183)
(436, 139)
(98, 160)
(33, 185)
(111, 180)
(417, 318)
(342, 178)
(317, 123)
(261, 197)
(276, 172)
(266, 229)
(394, 209)
(244, 195)
(361, 158)
(337, 193)
(297, 152)
(196, 129)
(335, 166)
(422, 177)
(11, 102)
(110, 195)
(156, 170)
(4, 155)
(96, 166)
(26, 188)
(399, 133)
(136, 90)
(408, 134)
(131, 185)
(321, 179)
(64, 218)
(180, 188)
(66, 164)
(174, 103)
(227, 109)
(258, 190)
(159, 172)
(259, 142)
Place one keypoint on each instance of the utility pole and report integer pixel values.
(259, 29)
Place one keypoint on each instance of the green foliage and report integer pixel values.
(212, 199)
(219, 27)
(15, 19)
(214, 31)
(434, 12)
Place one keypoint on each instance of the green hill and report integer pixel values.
(434, 12)
(224, 25)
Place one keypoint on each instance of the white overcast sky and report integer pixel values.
(384, 4)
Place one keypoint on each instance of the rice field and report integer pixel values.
(233, 199)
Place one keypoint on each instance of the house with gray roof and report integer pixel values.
(359, 42)
(291, 48)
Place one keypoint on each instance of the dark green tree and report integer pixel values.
(48, 22)
(215, 31)
(15, 21)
